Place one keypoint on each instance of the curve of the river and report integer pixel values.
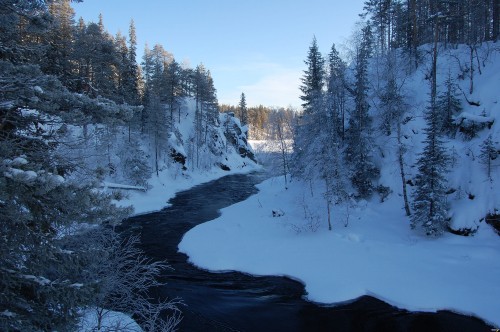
(234, 301)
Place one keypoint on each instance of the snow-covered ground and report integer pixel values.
(111, 321)
(164, 187)
(376, 254)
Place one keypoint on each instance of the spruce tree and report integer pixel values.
(173, 90)
(448, 105)
(243, 110)
(131, 70)
(336, 93)
(58, 57)
(488, 154)
(429, 198)
(310, 124)
(318, 135)
(359, 134)
(312, 82)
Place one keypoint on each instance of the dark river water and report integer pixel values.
(237, 302)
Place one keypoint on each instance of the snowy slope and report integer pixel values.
(372, 249)
(473, 194)
(233, 157)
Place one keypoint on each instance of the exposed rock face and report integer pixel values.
(178, 158)
(236, 135)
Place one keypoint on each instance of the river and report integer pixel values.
(238, 302)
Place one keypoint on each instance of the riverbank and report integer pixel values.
(232, 301)
(164, 186)
(376, 254)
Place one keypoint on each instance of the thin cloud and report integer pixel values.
(275, 85)
(277, 89)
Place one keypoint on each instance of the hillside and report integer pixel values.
(228, 153)
(472, 194)
(371, 249)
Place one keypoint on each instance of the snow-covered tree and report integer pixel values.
(318, 145)
(430, 205)
(173, 90)
(448, 105)
(131, 70)
(359, 133)
(43, 203)
(313, 80)
(39, 203)
(336, 93)
(59, 53)
(121, 276)
(393, 107)
(488, 154)
(243, 109)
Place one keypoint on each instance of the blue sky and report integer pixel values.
(253, 47)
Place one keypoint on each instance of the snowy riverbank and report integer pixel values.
(167, 184)
(377, 254)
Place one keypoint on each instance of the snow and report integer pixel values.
(270, 145)
(168, 183)
(112, 321)
(21, 175)
(38, 89)
(7, 313)
(42, 281)
(57, 179)
(474, 118)
(377, 254)
(111, 185)
(19, 161)
(171, 179)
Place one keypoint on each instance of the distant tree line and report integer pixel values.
(261, 120)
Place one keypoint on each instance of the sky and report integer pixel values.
(253, 47)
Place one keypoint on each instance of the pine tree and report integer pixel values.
(429, 198)
(380, 16)
(60, 43)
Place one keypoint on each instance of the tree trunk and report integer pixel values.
(156, 152)
(434, 63)
(471, 85)
(328, 203)
(412, 5)
(402, 170)
(329, 217)
(496, 19)
(129, 131)
(283, 151)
